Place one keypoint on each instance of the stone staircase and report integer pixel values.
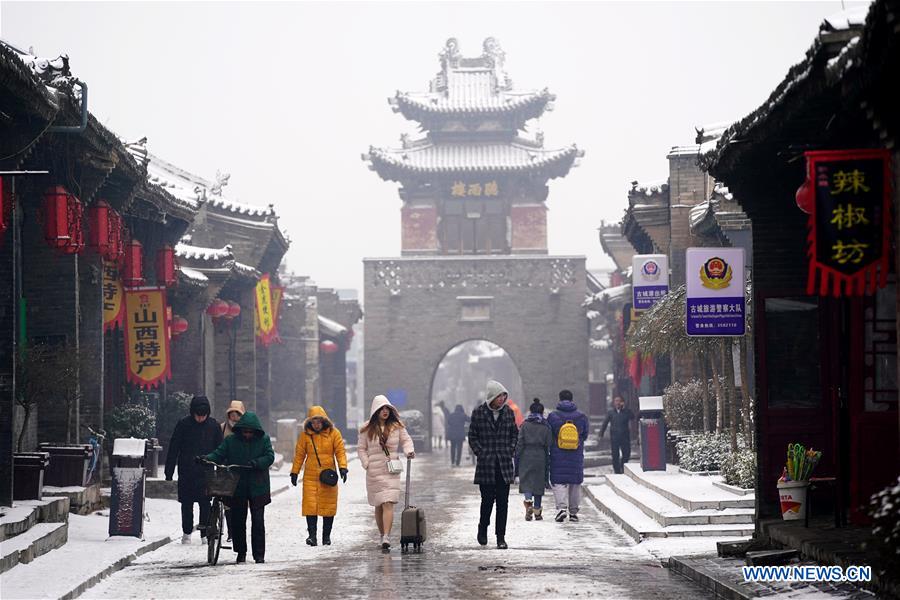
(32, 528)
(672, 504)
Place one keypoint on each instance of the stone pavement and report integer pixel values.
(591, 559)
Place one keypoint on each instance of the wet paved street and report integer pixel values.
(546, 559)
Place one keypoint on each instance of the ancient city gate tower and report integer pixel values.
(474, 261)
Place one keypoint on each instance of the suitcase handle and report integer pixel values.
(408, 466)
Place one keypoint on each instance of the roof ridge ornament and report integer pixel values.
(221, 181)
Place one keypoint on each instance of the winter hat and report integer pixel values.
(379, 402)
(200, 406)
(536, 407)
(236, 406)
(494, 389)
(565, 395)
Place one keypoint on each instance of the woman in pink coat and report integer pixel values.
(383, 438)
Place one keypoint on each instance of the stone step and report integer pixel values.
(690, 492)
(667, 513)
(27, 513)
(639, 526)
(38, 540)
(82, 500)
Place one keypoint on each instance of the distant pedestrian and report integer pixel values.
(492, 437)
(618, 420)
(456, 433)
(234, 413)
(533, 456)
(383, 438)
(251, 447)
(438, 426)
(320, 446)
(570, 430)
(194, 435)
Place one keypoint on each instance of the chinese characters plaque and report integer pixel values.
(715, 292)
(147, 337)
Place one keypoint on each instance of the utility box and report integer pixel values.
(653, 433)
(69, 464)
(127, 492)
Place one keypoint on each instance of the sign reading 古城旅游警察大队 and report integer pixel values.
(715, 292)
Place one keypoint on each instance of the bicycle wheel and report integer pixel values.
(214, 532)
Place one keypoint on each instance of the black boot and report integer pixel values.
(482, 535)
(241, 557)
(311, 528)
(327, 522)
(501, 543)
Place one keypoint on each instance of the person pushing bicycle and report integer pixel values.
(249, 446)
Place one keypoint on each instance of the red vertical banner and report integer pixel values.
(147, 356)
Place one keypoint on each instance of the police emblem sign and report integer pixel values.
(715, 292)
(649, 279)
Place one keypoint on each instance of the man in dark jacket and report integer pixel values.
(456, 433)
(251, 447)
(619, 418)
(195, 434)
(492, 436)
(567, 463)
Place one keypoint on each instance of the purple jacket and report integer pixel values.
(567, 466)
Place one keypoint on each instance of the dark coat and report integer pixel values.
(456, 425)
(533, 455)
(619, 424)
(257, 453)
(494, 443)
(567, 466)
(191, 439)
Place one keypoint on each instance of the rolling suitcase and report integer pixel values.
(412, 521)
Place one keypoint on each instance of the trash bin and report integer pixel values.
(69, 464)
(28, 474)
(127, 491)
(151, 458)
(653, 433)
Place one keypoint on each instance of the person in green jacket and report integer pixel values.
(250, 447)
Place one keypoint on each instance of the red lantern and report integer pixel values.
(165, 266)
(805, 196)
(234, 309)
(179, 325)
(133, 273)
(62, 213)
(98, 234)
(116, 249)
(218, 309)
(328, 347)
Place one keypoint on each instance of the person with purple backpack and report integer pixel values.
(570, 430)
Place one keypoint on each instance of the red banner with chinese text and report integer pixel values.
(113, 296)
(147, 356)
(847, 195)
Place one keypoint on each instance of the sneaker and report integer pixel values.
(385, 543)
(186, 538)
(573, 517)
(561, 516)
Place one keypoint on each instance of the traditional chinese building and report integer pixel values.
(474, 261)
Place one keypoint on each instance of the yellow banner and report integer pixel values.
(264, 308)
(146, 337)
(113, 293)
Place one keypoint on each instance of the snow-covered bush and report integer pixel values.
(739, 469)
(703, 452)
(130, 420)
(683, 405)
(885, 509)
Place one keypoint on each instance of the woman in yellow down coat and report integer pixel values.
(319, 444)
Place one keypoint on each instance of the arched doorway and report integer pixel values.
(462, 375)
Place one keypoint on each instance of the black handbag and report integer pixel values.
(327, 476)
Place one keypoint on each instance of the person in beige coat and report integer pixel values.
(234, 413)
(383, 438)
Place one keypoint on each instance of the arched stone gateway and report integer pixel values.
(474, 262)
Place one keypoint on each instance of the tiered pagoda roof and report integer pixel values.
(472, 117)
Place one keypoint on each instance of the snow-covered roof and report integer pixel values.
(689, 150)
(177, 182)
(183, 250)
(649, 188)
(332, 328)
(698, 213)
(609, 294)
(192, 274)
(246, 270)
(240, 207)
(854, 16)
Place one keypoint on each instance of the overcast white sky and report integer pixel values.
(286, 96)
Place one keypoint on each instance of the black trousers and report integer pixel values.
(239, 509)
(621, 452)
(497, 493)
(327, 523)
(187, 516)
(455, 451)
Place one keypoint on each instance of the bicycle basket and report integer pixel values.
(221, 482)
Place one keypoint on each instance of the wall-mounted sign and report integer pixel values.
(113, 294)
(147, 337)
(715, 292)
(463, 189)
(847, 195)
(649, 279)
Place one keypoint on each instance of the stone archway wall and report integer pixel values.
(417, 309)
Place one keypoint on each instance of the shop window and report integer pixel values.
(792, 353)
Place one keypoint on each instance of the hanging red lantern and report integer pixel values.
(116, 247)
(234, 310)
(133, 273)
(179, 325)
(62, 214)
(805, 196)
(218, 309)
(328, 347)
(98, 233)
(165, 266)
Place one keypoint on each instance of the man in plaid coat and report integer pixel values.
(492, 437)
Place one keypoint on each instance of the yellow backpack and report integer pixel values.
(567, 438)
